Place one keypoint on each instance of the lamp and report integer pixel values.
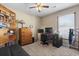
(21, 22)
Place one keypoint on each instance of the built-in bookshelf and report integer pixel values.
(7, 17)
(7, 23)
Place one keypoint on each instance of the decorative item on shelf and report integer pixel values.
(1, 14)
(3, 20)
(2, 25)
(30, 26)
(1, 17)
(7, 25)
(11, 32)
(21, 22)
(10, 20)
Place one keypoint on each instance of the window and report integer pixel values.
(64, 24)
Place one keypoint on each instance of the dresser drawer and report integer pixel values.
(25, 36)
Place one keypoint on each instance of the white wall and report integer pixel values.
(29, 20)
(51, 20)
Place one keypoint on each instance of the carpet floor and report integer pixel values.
(37, 49)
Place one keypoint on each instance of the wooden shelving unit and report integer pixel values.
(7, 17)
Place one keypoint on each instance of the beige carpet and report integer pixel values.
(37, 49)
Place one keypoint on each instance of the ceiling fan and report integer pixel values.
(39, 6)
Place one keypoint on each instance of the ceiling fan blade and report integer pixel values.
(32, 7)
(45, 6)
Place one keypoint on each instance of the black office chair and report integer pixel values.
(57, 42)
(44, 39)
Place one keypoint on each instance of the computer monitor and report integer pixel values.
(48, 30)
(40, 30)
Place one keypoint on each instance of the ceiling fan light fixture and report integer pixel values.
(39, 9)
(39, 6)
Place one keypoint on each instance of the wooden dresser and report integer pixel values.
(25, 36)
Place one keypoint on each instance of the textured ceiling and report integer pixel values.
(24, 7)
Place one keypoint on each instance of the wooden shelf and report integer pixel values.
(6, 14)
